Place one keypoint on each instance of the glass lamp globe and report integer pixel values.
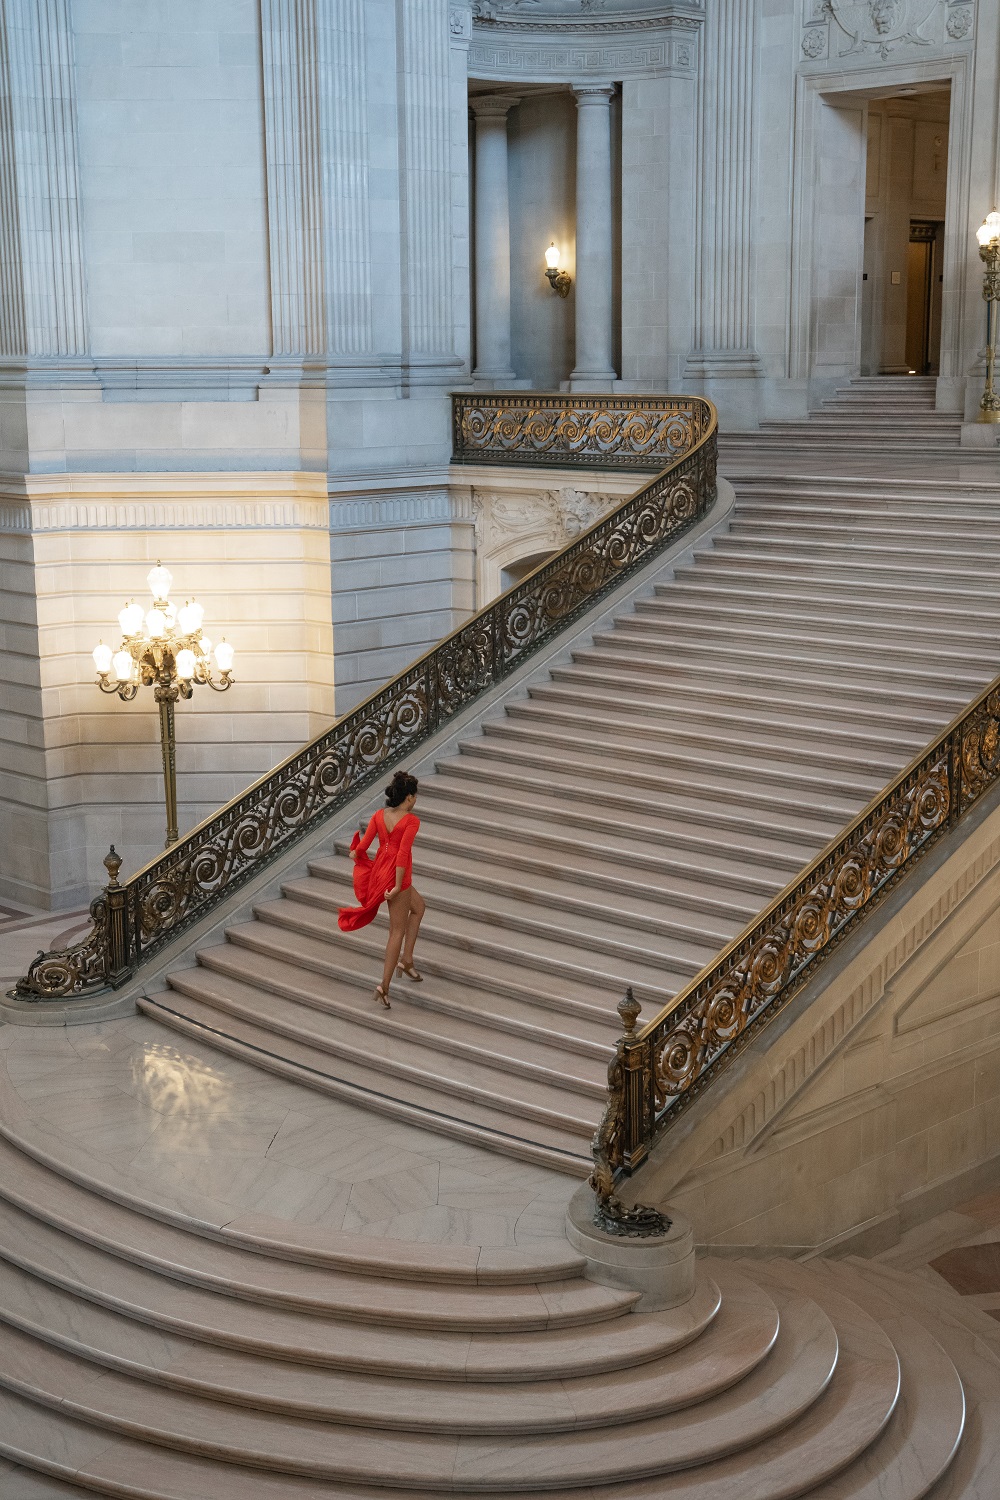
(552, 257)
(189, 617)
(224, 656)
(185, 665)
(102, 658)
(123, 665)
(131, 617)
(156, 623)
(989, 229)
(204, 645)
(159, 580)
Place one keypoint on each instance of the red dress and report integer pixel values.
(374, 877)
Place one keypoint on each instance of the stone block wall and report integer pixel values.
(82, 769)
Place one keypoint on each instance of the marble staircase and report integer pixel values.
(872, 415)
(144, 1355)
(626, 816)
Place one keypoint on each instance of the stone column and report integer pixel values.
(594, 369)
(492, 233)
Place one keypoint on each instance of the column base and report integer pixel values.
(659, 1266)
(597, 382)
(980, 434)
(496, 380)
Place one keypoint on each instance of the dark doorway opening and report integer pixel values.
(924, 286)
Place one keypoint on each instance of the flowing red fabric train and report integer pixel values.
(373, 878)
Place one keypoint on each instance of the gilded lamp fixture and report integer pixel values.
(559, 281)
(988, 235)
(163, 648)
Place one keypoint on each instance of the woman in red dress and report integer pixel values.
(389, 876)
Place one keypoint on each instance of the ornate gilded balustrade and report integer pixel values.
(607, 432)
(658, 1071)
(133, 921)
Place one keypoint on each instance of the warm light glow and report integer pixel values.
(102, 658)
(989, 229)
(159, 580)
(185, 665)
(205, 645)
(552, 257)
(170, 614)
(131, 617)
(123, 666)
(224, 656)
(189, 617)
(156, 623)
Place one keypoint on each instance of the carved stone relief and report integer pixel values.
(513, 525)
(866, 29)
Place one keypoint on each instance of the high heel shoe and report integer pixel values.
(380, 994)
(410, 972)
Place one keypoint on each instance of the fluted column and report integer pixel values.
(492, 232)
(594, 230)
(43, 309)
(724, 331)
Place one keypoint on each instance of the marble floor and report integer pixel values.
(143, 1106)
(960, 1247)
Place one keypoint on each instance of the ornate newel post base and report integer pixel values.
(660, 1266)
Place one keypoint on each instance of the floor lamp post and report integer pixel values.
(163, 648)
(988, 235)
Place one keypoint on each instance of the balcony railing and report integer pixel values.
(135, 920)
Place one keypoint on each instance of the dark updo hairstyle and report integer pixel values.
(401, 786)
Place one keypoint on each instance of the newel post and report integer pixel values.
(117, 952)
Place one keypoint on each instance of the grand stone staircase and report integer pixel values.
(145, 1356)
(627, 816)
(870, 417)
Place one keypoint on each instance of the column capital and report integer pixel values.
(492, 106)
(593, 93)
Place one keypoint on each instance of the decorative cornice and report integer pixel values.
(163, 502)
(384, 513)
(630, 48)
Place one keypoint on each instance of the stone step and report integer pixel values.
(852, 550)
(500, 1122)
(742, 1334)
(30, 1189)
(752, 791)
(769, 1399)
(784, 734)
(788, 526)
(508, 797)
(169, 1306)
(754, 758)
(270, 996)
(947, 578)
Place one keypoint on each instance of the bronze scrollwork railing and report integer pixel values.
(608, 432)
(135, 920)
(658, 1071)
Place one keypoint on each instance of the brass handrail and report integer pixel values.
(661, 1069)
(134, 920)
(545, 427)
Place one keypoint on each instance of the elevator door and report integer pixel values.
(923, 296)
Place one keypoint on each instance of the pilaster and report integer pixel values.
(42, 292)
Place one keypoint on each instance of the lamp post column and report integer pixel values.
(166, 696)
(594, 369)
(492, 232)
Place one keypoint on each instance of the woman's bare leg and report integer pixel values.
(399, 911)
(417, 908)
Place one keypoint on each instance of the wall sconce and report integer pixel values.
(559, 281)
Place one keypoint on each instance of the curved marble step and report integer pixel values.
(741, 1335)
(171, 1308)
(770, 1398)
(28, 1188)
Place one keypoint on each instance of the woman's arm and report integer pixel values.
(364, 844)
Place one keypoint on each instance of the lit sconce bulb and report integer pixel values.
(123, 665)
(989, 229)
(102, 658)
(224, 656)
(131, 617)
(552, 257)
(185, 665)
(559, 281)
(189, 617)
(156, 623)
(159, 580)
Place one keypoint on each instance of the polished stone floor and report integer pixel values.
(135, 1103)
